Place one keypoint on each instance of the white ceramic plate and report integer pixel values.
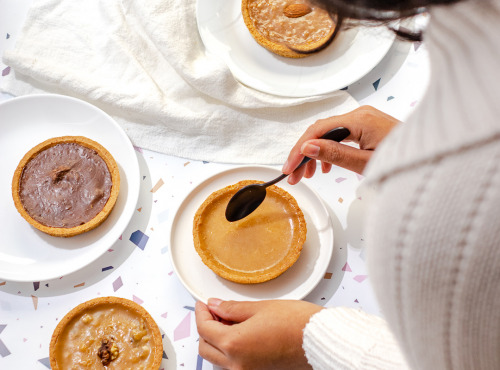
(351, 55)
(27, 254)
(295, 283)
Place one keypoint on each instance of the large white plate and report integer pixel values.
(295, 283)
(351, 55)
(27, 254)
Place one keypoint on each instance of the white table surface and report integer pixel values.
(30, 311)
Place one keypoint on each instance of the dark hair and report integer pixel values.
(381, 11)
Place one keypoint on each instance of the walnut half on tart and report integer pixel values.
(106, 333)
(257, 248)
(290, 28)
(66, 186)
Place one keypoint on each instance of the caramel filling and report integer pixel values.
(255, 243)
(269, 19)
(105, 336)
(65, 185)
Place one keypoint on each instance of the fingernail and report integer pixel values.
(310, 150)
(214, 302)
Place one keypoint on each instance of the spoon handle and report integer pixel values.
(277, 179)
(337, 134)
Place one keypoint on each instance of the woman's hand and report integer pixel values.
(368, 127)
(254, 335)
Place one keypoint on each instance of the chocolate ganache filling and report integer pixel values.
(65, 185)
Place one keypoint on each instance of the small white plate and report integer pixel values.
(351, 55)
(27, 254)
(295, 283)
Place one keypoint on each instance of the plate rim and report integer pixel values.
(192, 192)
(133, 187)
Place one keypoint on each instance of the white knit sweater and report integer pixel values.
(433, 232)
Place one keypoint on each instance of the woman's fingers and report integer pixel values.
(338, 154)
(368, 127)
(315, 131)
(234, 311)
(210, 329)
(212, 354)
(330, 152)
(326, 167)
(310, 169)
(296, 176)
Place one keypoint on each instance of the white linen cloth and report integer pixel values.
(143, 62)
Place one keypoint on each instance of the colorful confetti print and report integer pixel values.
(158, 185)
(183, 330)
(117, 284)
(139, 238)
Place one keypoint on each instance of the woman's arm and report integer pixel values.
(285, 334)
(348, 338)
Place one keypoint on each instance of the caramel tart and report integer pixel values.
(106, 333)
(66, 186)
(293, 29)
(257, 248)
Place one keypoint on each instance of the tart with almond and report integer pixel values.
(66, 185)
(106, 333)
(257, 248)
(290, 28)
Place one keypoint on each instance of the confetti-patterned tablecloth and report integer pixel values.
(138, 267)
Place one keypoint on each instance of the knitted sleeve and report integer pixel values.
(345, 338)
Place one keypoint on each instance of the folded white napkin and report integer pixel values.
(143, 62)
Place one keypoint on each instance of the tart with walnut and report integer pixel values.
(257, 248)
(290, 28)
(106, 333)
(66, 186)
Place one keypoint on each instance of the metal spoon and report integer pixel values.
(247, 199)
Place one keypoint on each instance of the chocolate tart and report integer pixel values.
(257, 248)
(292, 29)
(66, 185)
(106, 333)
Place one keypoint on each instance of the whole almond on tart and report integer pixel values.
(297, 10)
(289, 29)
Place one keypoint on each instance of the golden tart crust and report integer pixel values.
(99, 218)
(292, 29)
(106, 333)
(257, 248)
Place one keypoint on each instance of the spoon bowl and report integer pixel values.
(249, 198)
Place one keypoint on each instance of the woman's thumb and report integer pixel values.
(231, 311)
